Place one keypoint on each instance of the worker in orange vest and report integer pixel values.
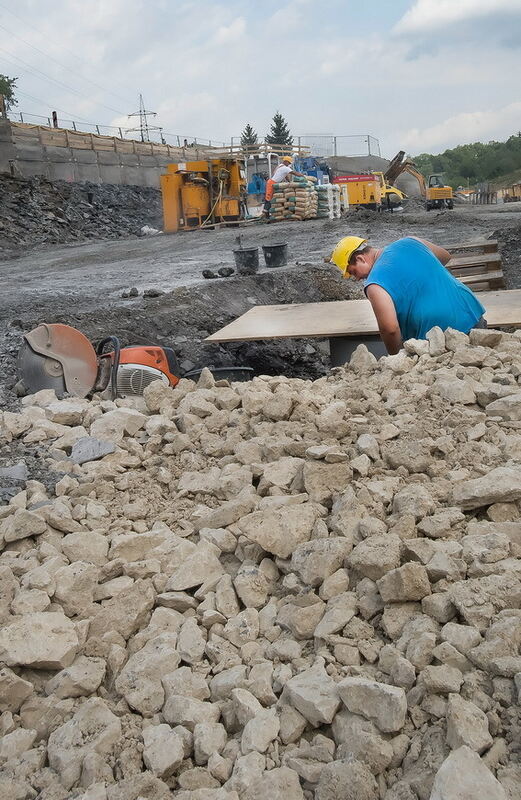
(282, 173)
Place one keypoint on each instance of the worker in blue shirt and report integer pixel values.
(409, 288)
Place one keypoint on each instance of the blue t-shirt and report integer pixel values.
(424, 292)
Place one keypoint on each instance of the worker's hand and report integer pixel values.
(386, 318)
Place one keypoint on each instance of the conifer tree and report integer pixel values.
(249, 138)
(279, 132)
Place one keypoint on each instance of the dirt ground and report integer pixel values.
(82, 284)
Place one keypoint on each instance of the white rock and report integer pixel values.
(384, 705)
(140, 679)
(163, 750)
(82, 678)
(93, 728)
(462, 776)
(467, 725)
(314, 694)
(209, 737)
(44, 640)
(260, 731)
(279, 531)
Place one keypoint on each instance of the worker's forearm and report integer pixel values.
(392, 340)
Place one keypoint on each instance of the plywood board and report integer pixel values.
(343, 318)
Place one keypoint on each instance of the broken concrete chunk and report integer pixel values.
(384, 705)
(89, 448)
(93, 728)
(43, 640)
(279, 531)
(314, 694)
(500, 485)
(464, 775)
(406, 583)
(467, 725)
(163, 750)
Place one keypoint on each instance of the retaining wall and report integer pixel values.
(61, 154)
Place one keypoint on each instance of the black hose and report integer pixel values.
(114, 341)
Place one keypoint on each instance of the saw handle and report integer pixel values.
(114, 341)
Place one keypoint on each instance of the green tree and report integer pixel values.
(249, 138)
(279, 132)
(7, 87)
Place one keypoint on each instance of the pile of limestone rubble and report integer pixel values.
(280, 589)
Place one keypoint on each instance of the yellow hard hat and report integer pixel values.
(343, 252)
(287, 160)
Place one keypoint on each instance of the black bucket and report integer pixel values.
(275, 255)
(247, 260)
(223, 373)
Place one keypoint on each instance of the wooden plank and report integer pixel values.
(490, 260)
(484, 246)
(493, 280)
(343, 318)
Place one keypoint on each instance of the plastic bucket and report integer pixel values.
(275, 255)
(247, 260)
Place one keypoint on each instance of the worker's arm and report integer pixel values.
(386, 318)
(299, 174)
(441, 254)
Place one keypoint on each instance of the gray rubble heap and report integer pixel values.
(282, 588)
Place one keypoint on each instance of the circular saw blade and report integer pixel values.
(39, 372)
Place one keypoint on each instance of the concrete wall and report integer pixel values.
(60, 154)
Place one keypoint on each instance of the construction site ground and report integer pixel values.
(82, 284)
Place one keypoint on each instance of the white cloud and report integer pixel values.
(464, 128)
(227, 34)
(427, 16)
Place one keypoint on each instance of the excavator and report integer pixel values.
(434, 191)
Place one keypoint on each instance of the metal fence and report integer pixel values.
(328, 144)
(161, 136)
(317, 144)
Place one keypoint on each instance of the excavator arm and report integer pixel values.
(401, 164)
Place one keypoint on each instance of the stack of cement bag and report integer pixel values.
(328, 201)
(295, 200)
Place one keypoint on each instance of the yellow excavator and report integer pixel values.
(435, 193)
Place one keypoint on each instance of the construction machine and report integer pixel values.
(391, 195)
(434, 191)
(364, 191)
(56, 356)
(198, 194)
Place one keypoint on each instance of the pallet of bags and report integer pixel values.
(295, 200)
(328, 201)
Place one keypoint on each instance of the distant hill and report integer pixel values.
(498, 163)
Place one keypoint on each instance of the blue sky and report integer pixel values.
(420, 75)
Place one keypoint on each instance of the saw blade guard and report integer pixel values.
(59, 357)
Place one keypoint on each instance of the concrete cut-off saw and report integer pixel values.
(59, 357)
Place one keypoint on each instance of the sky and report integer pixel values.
(419, 75)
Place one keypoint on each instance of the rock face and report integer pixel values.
(282, 588)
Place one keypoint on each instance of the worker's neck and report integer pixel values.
(377, 252)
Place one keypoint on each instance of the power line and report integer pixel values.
(57, 62)
(35, 70)
(74, 55)
(61, 110)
